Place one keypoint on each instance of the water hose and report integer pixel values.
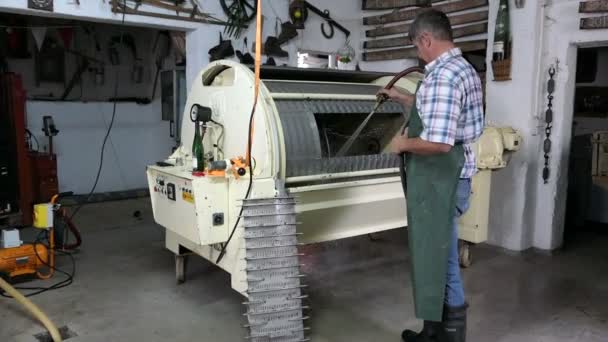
(381, 99)
(33, 309)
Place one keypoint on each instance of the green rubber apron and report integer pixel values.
(431, 201)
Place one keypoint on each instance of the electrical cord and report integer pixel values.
(258, 58)
(105, 139)
(219, 139)
(32, 136)
(238, 218)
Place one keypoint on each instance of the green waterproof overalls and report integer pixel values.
(431, 199)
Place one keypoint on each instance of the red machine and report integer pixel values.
(16, 197)
(26, 176)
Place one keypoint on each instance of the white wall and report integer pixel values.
(513, 103)
(138, 138)
(562, 38)
(525, 212)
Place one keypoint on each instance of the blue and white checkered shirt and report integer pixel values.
(450, 105)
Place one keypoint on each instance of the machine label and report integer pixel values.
(187, 195)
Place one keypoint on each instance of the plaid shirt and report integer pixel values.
(450, 104)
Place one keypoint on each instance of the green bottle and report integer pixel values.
(502, 34)
(198, 159)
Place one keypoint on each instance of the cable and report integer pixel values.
(32, 136)
(258, 58)
(219, 139)
(61, 284)
(238, 218)
(105, 139)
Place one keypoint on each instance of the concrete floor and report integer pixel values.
(125, 290)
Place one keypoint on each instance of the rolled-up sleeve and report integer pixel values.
(439, 103)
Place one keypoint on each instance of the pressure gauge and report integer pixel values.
(200, 113)
(194, 112)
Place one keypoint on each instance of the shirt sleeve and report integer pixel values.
(439, 108)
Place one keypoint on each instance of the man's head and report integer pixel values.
(431, 33)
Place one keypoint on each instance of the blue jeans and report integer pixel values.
(454, 290)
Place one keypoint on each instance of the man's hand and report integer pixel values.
(398, 144)
(398, 94)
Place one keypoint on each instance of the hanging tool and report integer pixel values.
(380, 99)
(298, 11)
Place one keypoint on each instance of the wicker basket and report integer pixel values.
(502, 70)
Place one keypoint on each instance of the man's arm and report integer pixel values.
(403, 144)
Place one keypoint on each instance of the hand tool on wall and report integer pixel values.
(239, 13)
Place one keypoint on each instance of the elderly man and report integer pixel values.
(448, 111)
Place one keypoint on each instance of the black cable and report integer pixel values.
(238, 219)
(105, 139)
(32, 136)
(219, 139)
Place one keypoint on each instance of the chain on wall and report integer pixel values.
(548, 123)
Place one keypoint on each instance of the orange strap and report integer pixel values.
(258, 61)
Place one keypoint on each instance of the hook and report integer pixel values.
(331, 26)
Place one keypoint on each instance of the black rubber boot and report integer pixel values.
(222, 50)
(288, 32)
(428, 334)
(454, 325)
(273, 48)
(270, 61)
(245, 58)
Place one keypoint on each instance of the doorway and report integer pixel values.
(587, 198)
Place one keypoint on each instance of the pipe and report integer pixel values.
(381, 99)
(33, 309)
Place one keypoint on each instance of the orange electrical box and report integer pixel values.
(23, 260)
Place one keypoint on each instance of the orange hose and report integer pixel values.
(258, 62)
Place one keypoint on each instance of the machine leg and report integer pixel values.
(180, 267)
(465, 254)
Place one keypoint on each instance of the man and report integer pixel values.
(450, 106)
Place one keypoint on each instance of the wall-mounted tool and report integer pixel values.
(298, 11)
(239, 13)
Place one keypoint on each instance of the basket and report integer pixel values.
(502, 70)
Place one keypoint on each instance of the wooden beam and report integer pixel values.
(410, 52)
(595, 6)
(405, 28)
(410, 14)
(392, 4)
(459, 32)
(594, 23)
(118, 7)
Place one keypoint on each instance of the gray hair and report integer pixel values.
(434, 22)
